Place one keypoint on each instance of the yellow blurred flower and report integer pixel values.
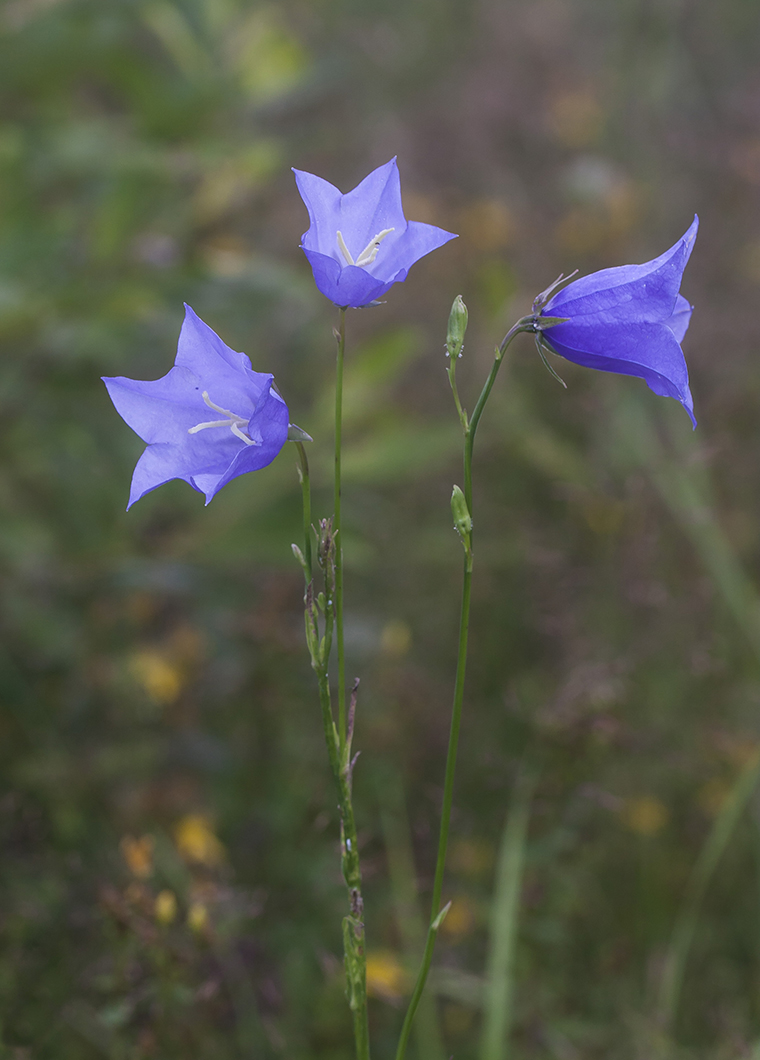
(487, 224)
(460, 919)
(645, 815)
(712, 796)
(457, 1019)
(138, 854)
(166, 907)
(160, 678)
(396, 638)
(472, 858)
(603, 515)
(386, 977)
(197, 916)
(196, 841)
(576, 117)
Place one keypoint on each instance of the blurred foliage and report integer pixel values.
(170, 876)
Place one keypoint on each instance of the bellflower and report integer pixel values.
(360, 244)
(629, 319)
(210, 419)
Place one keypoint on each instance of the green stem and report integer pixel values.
(306, 494)
(342, 767)
(353, 924)
(525, 324)
(340, 335)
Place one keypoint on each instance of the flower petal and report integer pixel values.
(681, 318)
(350, 286)
(226, 373)
(373, 206)
(628, 293)
(158, 465)
(270, 423)
(160, 410)
(397, 253)
(322, 200)
(650, 351)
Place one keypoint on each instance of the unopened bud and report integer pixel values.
(457, 328)
(461, 513)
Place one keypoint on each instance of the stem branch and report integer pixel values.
(469, 429)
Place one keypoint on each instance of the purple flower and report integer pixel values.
(210, 419)
(630, 320)
(360, 244)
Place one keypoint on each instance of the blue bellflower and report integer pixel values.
(630, 320)
(360, 244)
(210, 419)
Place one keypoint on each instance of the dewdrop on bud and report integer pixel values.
(457, 328)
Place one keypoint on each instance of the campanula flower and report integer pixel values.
(210, 419)
(629, 319)
(360, 244)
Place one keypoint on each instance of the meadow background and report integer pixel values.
(169, 885)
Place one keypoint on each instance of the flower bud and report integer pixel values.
(457, 328)
(461, 513)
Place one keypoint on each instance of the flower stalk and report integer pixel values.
(340, 336)
(323, 613)
(462, 511)
(321, 623)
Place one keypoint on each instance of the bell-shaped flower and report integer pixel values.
(210, 419)
(629, 319)
(360, 244)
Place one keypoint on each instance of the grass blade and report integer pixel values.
(499, 989)
(707, 862)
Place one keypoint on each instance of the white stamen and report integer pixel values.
(210, 423)
(369, 253)
(239, 434)
(344, 249)
(233, 421)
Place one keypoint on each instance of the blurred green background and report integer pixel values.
(170, 884)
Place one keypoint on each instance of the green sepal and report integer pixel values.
(547, 366)
(297, 434)
(542, 323)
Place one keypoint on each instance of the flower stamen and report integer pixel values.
(369, 253)
(344, 249)
(233, 421)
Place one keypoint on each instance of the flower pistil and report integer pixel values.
(369, 253)
(233, 421)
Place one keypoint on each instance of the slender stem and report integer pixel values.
(342, 768)
(353, 924)
(452, 370)
(340, 335)
(525, 324)
(306, 494)
(448, 792)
